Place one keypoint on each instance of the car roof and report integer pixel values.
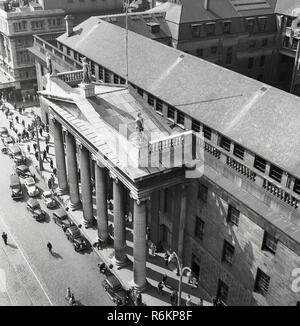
(29, 179)
(32, 202)
(113, 281)
(15, 149)
(60, 212)
(23, 167)
(46, 193)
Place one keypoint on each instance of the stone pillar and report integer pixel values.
(86, 189)
(139, 245)
(72, 171)
(101, 202)
(60, 158)
(119, 224)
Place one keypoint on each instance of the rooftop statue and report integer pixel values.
(139, 123)
(86, 79)
(49, 64)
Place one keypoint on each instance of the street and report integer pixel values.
(29, 274)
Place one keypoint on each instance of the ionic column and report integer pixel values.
(119, 224)
(101, 202)
(139, 245)
(72, 171)
(60, 158)
(86, 191)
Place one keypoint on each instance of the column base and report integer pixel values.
(61, 192)
(74, 207)
(142, 288)
(89, 223)
(120, 264)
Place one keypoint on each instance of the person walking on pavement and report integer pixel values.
(190, 277)
(4, 237)
(47, 149)
(188, 300)
(36, 155)
(44, 155)
(54, 171)
(69, 294)
(72, 300)
(34, 146)
(51, 163)
(28, 148)
(23, 123)
(41, 131)
(160, 287)
(166, 258)
(164, 279)
(49, 246)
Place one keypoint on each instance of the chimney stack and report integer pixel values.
(206, 4)
(69, 24)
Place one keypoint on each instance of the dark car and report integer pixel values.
(16, 188)
(23, 171)
(34, 208)
(80, 243)
(60, 218)
(114, 289)
(73, 232)
(3, 132)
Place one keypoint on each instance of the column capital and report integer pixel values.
(113, 176)
(65, 130)
(138, 200)
(52, 117)
(79, 144)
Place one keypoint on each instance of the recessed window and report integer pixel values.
(202, 192)
(122, 81)
(199, 52)
(229, 56)
(171, 113)
(140, 91)
(262, 23)
(213, 50)
(116, 79)
(207, 132)
(159, 106)
(150, 99)
(250, 63)
(210, 28)
(262, 60)
(239, 151)
(269, 243)
(195, 125)
(180, 118)
(93, 68)
(260, 163)
(226, 27)
(276, 173)
(225, 143)
(262, 282)
(297, 186)
(196, 30)
(101, 73)
(106, 76)
(222, 292)
(250, 24)
(233, 215)
(199, 228)
(228, 251)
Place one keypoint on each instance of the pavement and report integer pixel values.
(155, 264)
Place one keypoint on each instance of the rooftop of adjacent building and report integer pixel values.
(259, 117)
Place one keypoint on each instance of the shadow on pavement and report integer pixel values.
(12, 246)
(56, 255)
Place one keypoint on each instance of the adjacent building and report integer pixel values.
(238, 223)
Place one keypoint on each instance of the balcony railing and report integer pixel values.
(241, 168)
(71, 77)
(212, 150)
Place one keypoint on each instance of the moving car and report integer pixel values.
(15, 186)
(8, 140)
(3, 132)
(116, 292)
(60, 218)
(73, 232)
(80, 243)
(31, 187)
(34, 208)
(48, 199)
(23, 171)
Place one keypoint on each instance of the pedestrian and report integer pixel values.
(54, 171)
(147, 233)
(49, 246)
(51, 163)
(28, 148)
(164, 279)
(4, 237)
(152, 249)
(10, 124)
(166, 258)
(138, 299)
(15, 106)
(188, 300)
(41, 131)
(69, 294)
(195, 282)
(20, 110)
(44, 155)
(189, 274)
(17, 119)
(200, 303)
(47, 149)
(23, 123)
(72, 300)
(34, 146)
(36, 154)
(160, 287)
(173, 298)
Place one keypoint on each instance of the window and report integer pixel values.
(196, 30)
(289, 21)
(116, 79)
(250, 63)
(122, 81)
(222, 293)
(297, 186)
(213, 50)
(150, 99)
(229, 56)
(38, 24)
(21, 26)
(171, 113)
(239, 151)
(202, 192)
(68, 51)
(250, 24)
(262, 60)
(180, 118)
(140, 91)
(262, 23)
(269, 243)
(106, 76)
(225, 143)
(159, 106)
(275, 173)
(252, 44)
(233, 215)
(228, 251)
(199, 52)
(207, 132)
(264, 42)
(210, 28)
(101, 73)
(93, 68)
(195, 125)
(226, 27)
(199, 228)
(260, 163)
(262, 282)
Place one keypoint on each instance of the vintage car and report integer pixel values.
(8, 140)
(3, 132)
(31, 187)
(73, 232)
(16, 153)
(23, 171)
(15, 187)
(34, 208)
(60, 218)
(48, 199)
(80, 243)
(115, 291)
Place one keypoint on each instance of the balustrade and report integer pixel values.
(241, 168)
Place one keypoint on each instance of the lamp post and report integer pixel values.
(36, 122)
(181, 272)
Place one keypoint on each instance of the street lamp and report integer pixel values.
(181, 272)
(36, 123)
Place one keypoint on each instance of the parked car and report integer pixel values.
(48, 199)
(8, 140)
(114, 289)
(16, 153)
(31, 187)
(3, 132)
(73, 232)
(34, 208)
(60, 218)
(15, 187)
(80, 243)
(23, 171)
